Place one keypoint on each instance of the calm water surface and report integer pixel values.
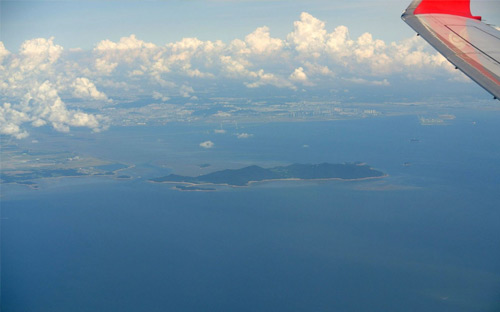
(427, 238)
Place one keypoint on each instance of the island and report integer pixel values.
(250, 174)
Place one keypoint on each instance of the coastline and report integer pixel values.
(266, 180)
(35, 186)
(175, 188)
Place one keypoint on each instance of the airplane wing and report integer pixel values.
(469, 44)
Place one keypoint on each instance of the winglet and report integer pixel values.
(452, 7)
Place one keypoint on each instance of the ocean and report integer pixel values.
(425, 238)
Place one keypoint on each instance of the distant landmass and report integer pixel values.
(28, 166)
(25, 176)
(244, 176)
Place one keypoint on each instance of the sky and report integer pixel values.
(100, 52)
(83, 23)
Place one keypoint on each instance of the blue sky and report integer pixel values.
(84, 23)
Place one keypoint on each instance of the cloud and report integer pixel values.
(44, 105)
(180, 56)
(260, 42)
(3, 54)
(270, 79)
(128, 50)
(40, 106)
(105, 66)
(10, 121)
(219, 131)
(130, 43)
(368, 82)
(38, 78)
(32, 80)
(308, 36)
(207, 144)
(244, 135)
(222, 114)
(236, 67)
(318, 69)
(159, 96)
(38, 54)
(186, 91)
(84, 88)
(338, 44)
(299, 76)
(261, 60)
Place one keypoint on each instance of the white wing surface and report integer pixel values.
(469, 44)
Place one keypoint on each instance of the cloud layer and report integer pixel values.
(35, 80)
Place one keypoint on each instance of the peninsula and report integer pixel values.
(26, 166)
(247, 175)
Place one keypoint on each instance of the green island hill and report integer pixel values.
(246, 175)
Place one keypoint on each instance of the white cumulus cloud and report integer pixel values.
(260, 42)
(308, 36)
(207, 144)
(38, 54)
(244, 135)
(42, 105)
(299, 76)
(84, 88)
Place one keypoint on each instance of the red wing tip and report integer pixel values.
(452, 7)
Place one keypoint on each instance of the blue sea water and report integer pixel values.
(426, 238)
